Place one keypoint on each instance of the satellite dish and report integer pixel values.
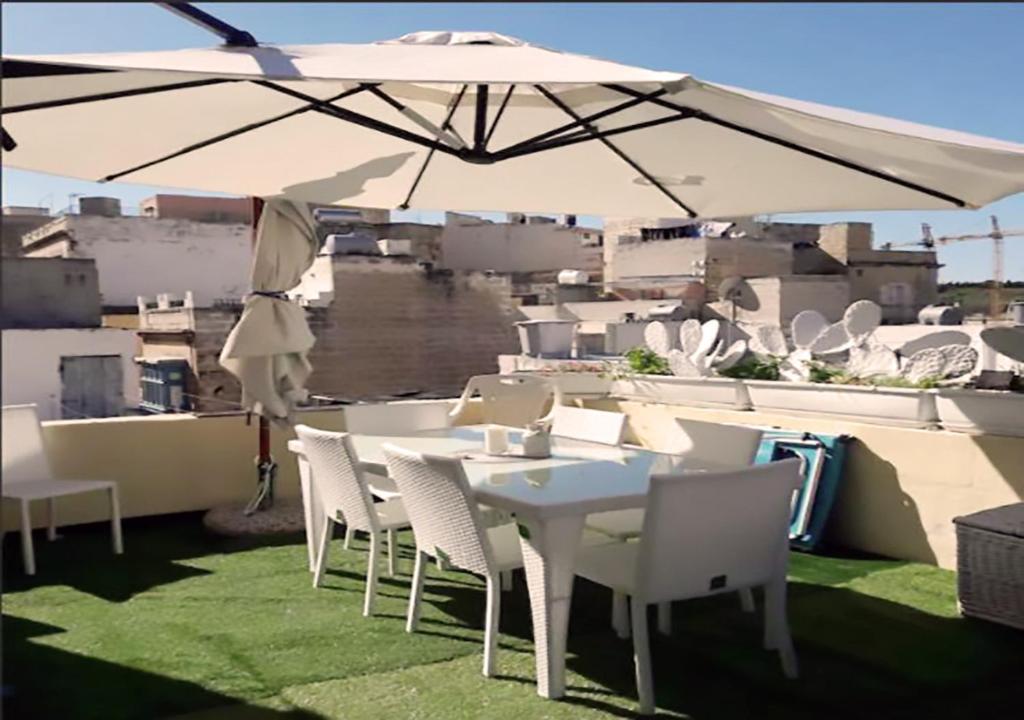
(731, 288)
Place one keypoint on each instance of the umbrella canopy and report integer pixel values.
(477, 121)
(267, 349)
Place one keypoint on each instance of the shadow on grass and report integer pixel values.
(860, 656)
(154, 550)
(30, 695)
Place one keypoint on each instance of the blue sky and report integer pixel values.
(951, 65)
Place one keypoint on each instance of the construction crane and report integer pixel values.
(997, 234)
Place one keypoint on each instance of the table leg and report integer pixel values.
(549, 553)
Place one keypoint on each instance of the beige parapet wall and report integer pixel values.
(164, 463)
(901, 490)
(902, 487)
(169, 463)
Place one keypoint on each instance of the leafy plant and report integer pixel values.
(822, 373)
(644, 361)
(755, 368)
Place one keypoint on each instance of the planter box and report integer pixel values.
(701, 392)
(981, 411)
(547, 338)
(579, 383)
(905, 407)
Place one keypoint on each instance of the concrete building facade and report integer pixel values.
(55, 354)
(132, 253)
(472, 243)
(645, 257)
(49, 292)
(173, 327)
(15, 221)
(393, 326)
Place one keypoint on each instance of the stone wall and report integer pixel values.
(49, 293)
(133, 254)
(394, 327)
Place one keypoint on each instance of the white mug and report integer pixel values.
(495, 440)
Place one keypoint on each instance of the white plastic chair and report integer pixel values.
(704, 534)
(704, 445)
(447, 525)
(342, 489)
(513, 400)
(27, 476)
(397, 418)
(599, 426)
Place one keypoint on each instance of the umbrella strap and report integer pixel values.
(273, 294)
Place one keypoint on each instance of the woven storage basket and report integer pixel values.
(990, 564)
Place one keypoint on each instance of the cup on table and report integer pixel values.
(495, 440)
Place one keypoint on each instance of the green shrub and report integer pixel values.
(644, 361)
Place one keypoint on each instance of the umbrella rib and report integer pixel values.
(585, 136)
(586, 119)
(359, 119)
(501, 111)
(611, 146)
(439, 133)
(43, 105)
(230, 134)
(430, 153)
(818, 154)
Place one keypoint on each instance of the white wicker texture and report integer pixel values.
(990, 564)
(446, 524)
(445, 518)
(338, 478)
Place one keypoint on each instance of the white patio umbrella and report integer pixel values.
(460, 121)
(477, 121)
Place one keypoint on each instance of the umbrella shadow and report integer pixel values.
(156, 549)
(107, 696)
(345, 184)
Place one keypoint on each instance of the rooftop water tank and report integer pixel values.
(941, 315)
(573, 277)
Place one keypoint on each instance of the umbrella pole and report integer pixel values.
(266, 468)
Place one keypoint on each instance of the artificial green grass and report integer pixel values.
(193, 626)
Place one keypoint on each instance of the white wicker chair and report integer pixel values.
(704, 534)
(513, 400)
(447, 525)
(599, 426)
(343, 490)
(394, 418)
(704, 444)
(27, 476)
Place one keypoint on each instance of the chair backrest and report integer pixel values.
(598, 426)
(715, 443)
(337, 476)
(24, 455)
(705, 533)
(396, 418)
(513, 400)
(445, 519)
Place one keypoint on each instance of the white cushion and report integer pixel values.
(619, 524)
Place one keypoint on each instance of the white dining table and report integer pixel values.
(550, 499)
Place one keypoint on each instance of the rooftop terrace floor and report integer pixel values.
(188, 625)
